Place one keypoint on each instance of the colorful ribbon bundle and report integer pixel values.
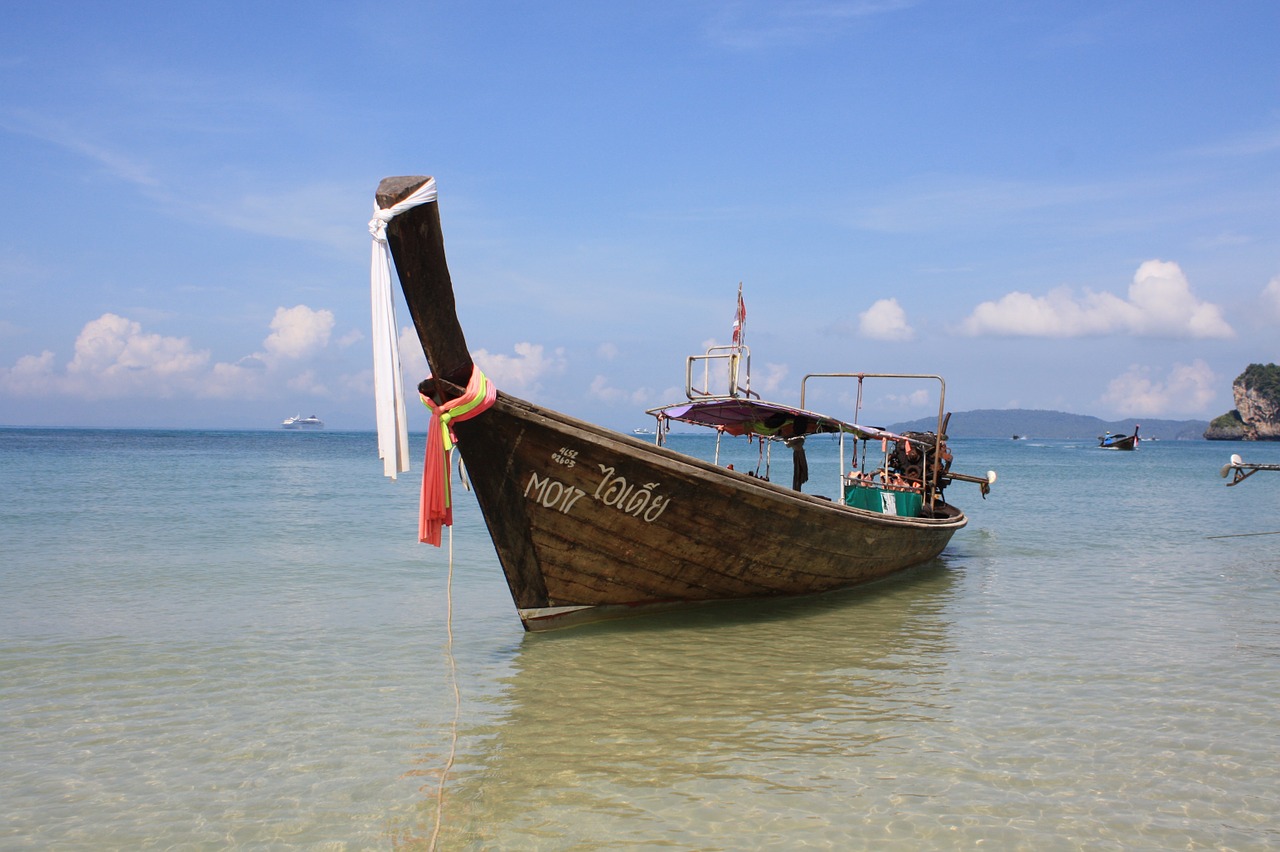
(436, 505)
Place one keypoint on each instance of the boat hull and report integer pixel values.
(590, 524)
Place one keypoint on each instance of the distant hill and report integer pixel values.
(1031, 423)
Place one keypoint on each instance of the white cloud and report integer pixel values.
(114, 358)
(517, 374)
(252, 362)
(1271, 299)
(298, 331)
(885, 320)
(245, 379)
(413, 363)
(306, 382)
(520, 373)
(600, 389)
(915, 399)
(1188, 389)
(33, 375)
(1057, 314)
(774, 374)
(1160, 304)
(112, 346)
(1167, 307)
(360, 384)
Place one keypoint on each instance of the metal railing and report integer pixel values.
(736, 360)
(942, 403)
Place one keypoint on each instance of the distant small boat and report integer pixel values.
(300, 422)
(1243, 469)
(1119, 442)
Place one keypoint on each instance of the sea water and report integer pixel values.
(232, 639)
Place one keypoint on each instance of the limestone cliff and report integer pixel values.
(1257, 413)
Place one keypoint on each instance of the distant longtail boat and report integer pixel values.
(1119, 442)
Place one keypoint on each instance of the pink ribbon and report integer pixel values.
(435, 508)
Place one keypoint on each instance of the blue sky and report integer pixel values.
(1063, 206)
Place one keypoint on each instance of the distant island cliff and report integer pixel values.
(1053, 425)
(1256, 416)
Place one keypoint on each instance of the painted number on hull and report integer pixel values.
(565, 456)
(614, 491)
(552, 493)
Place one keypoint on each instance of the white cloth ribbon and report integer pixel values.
(388, 384)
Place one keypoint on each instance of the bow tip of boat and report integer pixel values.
(392, 189)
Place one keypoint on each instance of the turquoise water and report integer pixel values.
(232, 639)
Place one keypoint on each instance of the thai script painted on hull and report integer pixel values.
(614, 490)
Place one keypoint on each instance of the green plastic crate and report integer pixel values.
(905, 504)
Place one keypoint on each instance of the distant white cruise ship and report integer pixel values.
(300, 422)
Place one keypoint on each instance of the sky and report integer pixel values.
(1067, 206)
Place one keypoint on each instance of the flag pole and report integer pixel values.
(739, 335)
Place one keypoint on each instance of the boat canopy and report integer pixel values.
(763, 419)
(722, 399)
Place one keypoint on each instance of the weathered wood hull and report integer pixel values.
(590, 524)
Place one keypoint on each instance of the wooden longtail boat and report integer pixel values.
(1119, 442)
(1243, 469)
(591, 524)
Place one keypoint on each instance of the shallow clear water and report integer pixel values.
(213, 639)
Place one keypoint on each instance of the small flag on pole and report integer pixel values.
(739, 319)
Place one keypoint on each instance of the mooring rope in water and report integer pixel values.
(457, 698)
(1243, 535)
